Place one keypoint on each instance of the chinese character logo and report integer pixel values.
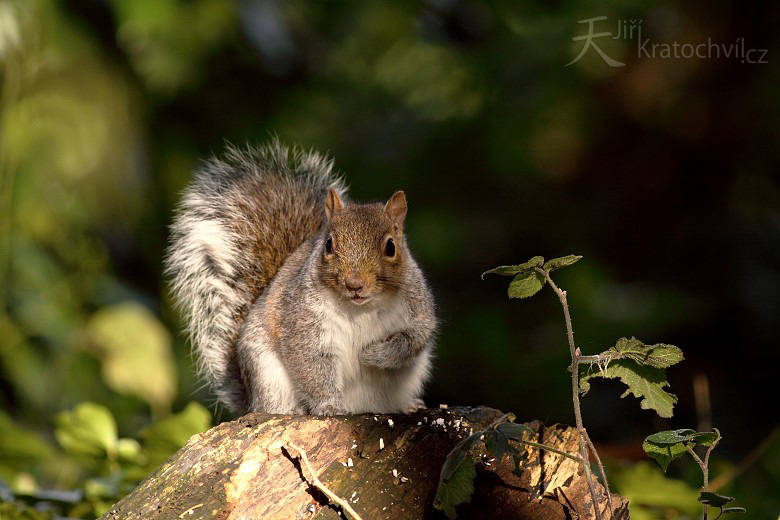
(590, 43)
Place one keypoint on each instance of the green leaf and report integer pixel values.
(526, 285)
(20, 446)
(513, 430)
(670, 437)
(663, 454)
(469, 441)
(644, 382)
(87, 430)
(135, 351)
(129, 450)
(456, 489)
(164, 437)
(705, 438)
(657, 356)
(729, 510)
(511, 270)
(714, 499)
(560, 263)
(497, 439)
(452, 463)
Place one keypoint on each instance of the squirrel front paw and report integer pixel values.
(390, 353)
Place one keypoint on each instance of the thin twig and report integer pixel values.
(703, 467)
(575, 390)
(601, 467)
(333, 497)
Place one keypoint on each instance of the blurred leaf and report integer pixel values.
(458, 487)
(129, 450)
(134, 348)
(87, 430)
(21, 365)
(730, 510)
(511, 270)
(18, 446)
(526, 285)
(714, 499)
(560, 263)
(164, 437)
(649, 491)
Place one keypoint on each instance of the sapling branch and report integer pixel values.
(601, 468)
(704, 465)
(575, 390)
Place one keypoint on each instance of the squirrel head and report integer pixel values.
(362, 249)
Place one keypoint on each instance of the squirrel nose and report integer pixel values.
(354, 282)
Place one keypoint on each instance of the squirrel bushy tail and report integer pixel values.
(238, 221)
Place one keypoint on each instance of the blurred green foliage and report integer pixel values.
(661, 173)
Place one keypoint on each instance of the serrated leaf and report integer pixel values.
(457, 489)
(714, 499)
(663, 454)
(526, 285)
(560, 263)
(89, 429)
(644, 382)
(659, 355)
(511, 270)
(514, 430)
(729, 510)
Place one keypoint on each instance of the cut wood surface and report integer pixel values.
(385, 466)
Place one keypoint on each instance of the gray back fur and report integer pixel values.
(239, 219)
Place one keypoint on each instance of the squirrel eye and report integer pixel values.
(390, 248)
(329, 245)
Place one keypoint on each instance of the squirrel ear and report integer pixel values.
(333, 203)
(396, 209)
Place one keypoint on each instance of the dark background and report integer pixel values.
(661, 173)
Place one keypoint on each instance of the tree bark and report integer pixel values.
(385, 466)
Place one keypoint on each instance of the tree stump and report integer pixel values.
(385, 466)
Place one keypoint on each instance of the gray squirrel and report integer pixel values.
(296, 300)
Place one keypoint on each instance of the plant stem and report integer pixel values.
(575, 390)
(601, 468)
(704, 465)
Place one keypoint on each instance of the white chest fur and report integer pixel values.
(346, 330)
